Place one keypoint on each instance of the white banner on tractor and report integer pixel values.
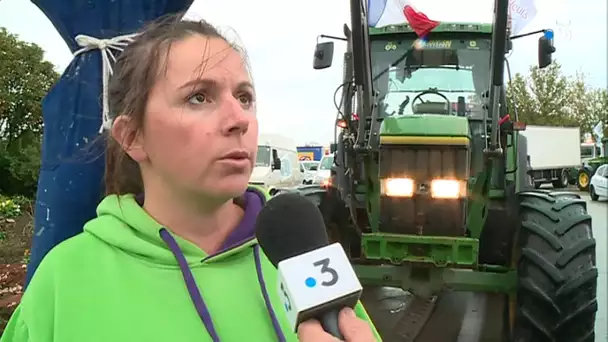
(521, 12)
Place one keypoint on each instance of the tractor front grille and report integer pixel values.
(422, 214)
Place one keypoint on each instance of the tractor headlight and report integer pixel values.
(446, 188)
(398, 187)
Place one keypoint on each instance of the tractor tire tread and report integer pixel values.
(557, 274)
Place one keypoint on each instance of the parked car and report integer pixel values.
(324, 171)
(598, 186)
(308, 169)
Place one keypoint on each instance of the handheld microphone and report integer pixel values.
(316, 279)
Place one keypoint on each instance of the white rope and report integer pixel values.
(106, 47)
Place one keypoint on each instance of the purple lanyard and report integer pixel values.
(197, 298)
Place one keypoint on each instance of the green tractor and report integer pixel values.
(590, 164)
(430, 189)
(587, 170)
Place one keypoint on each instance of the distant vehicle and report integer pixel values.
(310, 153)
(276, 165)
(592, 157)
(308, 169)
(589, 150)
(324, 171)
(553, 168)
(598, 186)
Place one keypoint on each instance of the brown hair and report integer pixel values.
(134, 74)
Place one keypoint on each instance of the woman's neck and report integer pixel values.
(206, 223)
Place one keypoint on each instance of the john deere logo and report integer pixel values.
(390, 46)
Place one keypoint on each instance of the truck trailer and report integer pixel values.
(553, 154)
(310, 153)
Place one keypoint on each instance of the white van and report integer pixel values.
(276, 164)
(323, 174)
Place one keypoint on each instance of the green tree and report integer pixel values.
(597, 106)
(547, 97)
(519, 96)
(549, 91)
(590, 105)
(578, 93)
(25, 78)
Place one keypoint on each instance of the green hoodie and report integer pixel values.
(121, 280)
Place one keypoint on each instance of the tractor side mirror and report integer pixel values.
(324, 55)
(545, 50)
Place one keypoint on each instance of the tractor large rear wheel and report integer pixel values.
(557, 275)
(583, 180)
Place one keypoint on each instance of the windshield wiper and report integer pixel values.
(416, 67)
(398, 60)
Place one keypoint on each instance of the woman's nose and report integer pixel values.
(235, 118)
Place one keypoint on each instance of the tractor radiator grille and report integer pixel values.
(422, 214)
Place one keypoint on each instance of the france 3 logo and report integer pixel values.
(310, 282)
(316, 277)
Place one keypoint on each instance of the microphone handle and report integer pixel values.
(329, 322)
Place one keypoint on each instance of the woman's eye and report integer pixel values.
(197, 98)
(245, 99)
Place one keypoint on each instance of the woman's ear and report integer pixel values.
(129, 138)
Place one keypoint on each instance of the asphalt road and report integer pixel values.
(599, 212)
(462, 317)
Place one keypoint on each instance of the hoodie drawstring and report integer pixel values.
(197, 298)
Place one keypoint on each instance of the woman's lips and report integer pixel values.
(236, 159)
(236, 155)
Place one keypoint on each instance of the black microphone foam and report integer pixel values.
(290, 225)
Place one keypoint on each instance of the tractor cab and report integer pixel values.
(436, 78)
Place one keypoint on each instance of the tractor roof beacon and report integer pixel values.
(424, 191)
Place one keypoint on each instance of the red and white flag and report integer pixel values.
(394, 12)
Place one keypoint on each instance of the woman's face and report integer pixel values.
(200, 128)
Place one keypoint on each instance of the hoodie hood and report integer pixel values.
(122, 223)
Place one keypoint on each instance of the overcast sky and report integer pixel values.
(280, 38)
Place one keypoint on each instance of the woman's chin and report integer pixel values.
(230, 186)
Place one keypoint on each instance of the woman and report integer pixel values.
(182, 264)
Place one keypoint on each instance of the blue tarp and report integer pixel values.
(71, 176)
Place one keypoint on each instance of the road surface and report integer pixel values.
(599, 212)
(460, 316)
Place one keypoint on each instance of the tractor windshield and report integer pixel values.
(432, 79)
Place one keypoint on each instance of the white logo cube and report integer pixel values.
(316, 278)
